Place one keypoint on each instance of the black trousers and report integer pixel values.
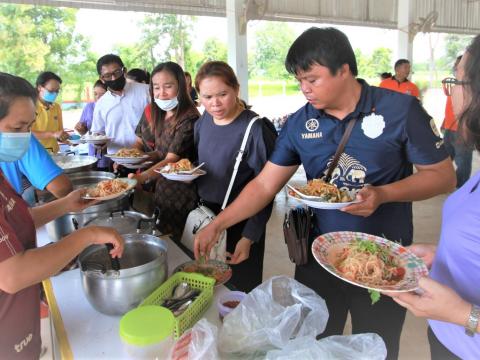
(248, 274)
(384, 318)
(437, 350)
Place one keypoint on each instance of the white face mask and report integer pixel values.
(167, 105)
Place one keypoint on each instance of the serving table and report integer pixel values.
(81, 332)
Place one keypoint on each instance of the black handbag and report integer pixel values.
(296, 229)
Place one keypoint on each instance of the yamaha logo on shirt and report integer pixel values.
(312, 126)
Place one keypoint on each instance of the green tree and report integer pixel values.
(38, 38)
(455, 45)
(380, 61)
(272, 41)
(165, 37)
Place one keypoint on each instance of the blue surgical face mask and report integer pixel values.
(13, 145)
(167, 105)
(49, 96)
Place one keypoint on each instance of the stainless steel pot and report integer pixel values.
(64, 225)
(143, 268)
(74, 163)
(127, 222)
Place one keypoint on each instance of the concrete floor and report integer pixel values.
(427, 222)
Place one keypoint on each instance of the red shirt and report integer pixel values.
(404, 87)
(19, 312)
(450, 122)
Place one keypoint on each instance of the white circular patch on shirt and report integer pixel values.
(373, 125)
(312, 125)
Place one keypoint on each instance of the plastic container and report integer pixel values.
(228, 302)
(147, 332)
(195, 311)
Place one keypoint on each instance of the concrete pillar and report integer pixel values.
(237, 43)
(405, 35)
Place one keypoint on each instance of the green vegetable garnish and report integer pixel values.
(367, 245)
(374, 296)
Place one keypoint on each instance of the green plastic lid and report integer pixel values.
(146, 325)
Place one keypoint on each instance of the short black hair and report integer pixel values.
(139, 75)
(385, 75)
(99, 83)
(108, 59)
(12, 87)
(324, 46)
(45, 77)
(400, 62)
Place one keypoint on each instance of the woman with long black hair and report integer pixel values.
(166, 128)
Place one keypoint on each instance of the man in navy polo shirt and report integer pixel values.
(393, 133)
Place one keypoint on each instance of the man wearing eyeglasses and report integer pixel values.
(460, 152)
(48, 125)
(118, 112)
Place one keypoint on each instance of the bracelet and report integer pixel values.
(473, 319)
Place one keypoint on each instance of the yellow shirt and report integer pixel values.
(48, 120)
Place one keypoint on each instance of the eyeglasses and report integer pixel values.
(115, 75)
(449, 83)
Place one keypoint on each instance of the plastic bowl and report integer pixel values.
(229, 301)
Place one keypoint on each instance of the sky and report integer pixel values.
(111, 33)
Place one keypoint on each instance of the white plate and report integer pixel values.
(122, 160)
(96, 140)
(138, 166)
(131, 184)
(322, 205)
(75, 142)
(182, 177)
(327, 246)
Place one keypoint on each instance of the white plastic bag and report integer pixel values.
(199, 343)
(278, 310)
(348, 347)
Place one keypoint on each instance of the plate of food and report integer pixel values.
(110, 189)
(182, 170)
(128, 156)
(321, 195)
(95, 139)
(218, 270)
(142, 165)
(369, 261)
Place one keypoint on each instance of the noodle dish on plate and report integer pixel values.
(322, 195)
(109, 189)
(173, 171)
(369, 261)
(128, 156)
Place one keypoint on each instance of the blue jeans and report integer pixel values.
(461, 154)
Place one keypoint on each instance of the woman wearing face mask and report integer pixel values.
(450, 297)
(48, 126)
(218, 136)
(167, 128)
(22, 266)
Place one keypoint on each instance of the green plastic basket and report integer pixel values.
(195, 311)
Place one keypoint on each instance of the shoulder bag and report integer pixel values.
(201, 216)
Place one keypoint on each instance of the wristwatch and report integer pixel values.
(473, 319)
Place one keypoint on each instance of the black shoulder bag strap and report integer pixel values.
(340, 148)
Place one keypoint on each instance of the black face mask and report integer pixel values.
(117, 84)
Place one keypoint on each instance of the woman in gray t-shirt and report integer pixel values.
(218, 136)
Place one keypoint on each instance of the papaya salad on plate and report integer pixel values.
(369, 261)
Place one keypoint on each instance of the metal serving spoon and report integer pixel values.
(189, 172)
(306, 197)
